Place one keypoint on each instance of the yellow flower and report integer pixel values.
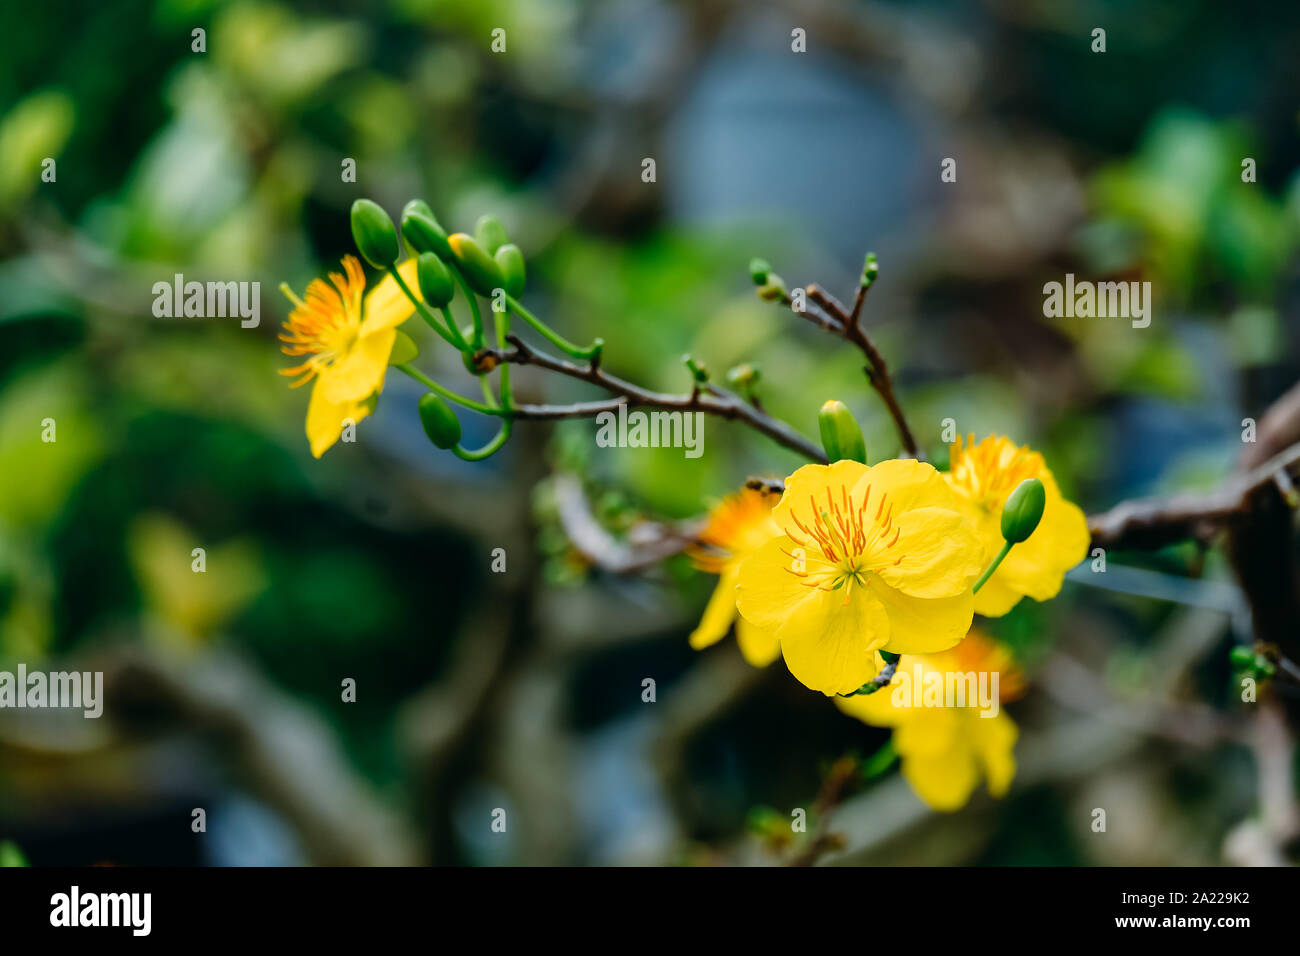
(348, 337)
(871, 558)
(737, 527)
(945, 750)
(984, 475)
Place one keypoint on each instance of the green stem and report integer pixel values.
(449, 332)
(501, 320)
(988, 572)
(559, 341)
(447, 393)
(473, 305)
(491, 448)
(488, 397)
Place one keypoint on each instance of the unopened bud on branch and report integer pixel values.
(436, 283)
(1023, 510)
(439, 421)
(481, 271)
(841, 436)
(374, 233)
(421, 230)
(510, 260)
(490, 234)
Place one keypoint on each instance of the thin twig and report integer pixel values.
(835, 788)
(657, 540)
(714, 401)
(1153, 523)
(847, 326)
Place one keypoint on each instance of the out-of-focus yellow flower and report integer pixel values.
(946, 750)
(877, 557)
(348, 336)
(737, 527)
(984, 475)
(192, 601)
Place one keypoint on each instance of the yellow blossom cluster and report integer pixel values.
(853, 562)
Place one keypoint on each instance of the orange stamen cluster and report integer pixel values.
(325, 321)
(989, 471)
(851, 542)
(980, 653)
(731, 529)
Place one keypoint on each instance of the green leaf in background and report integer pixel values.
(35, 129)
(10, 855)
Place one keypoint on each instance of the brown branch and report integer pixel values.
(710, 399)
(845, 324)
(1149, 524)
(834, 789)
(656, 541)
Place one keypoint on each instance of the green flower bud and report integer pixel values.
(421, 230)
(1242, 657)
(481, 271)
(870, 269)
(1023, 510)
(841, 436)
(374, 234)
(743, 376)
(511, 261)
(439, 421)
(759, 270)
(436, 283)
(699, 371)
(490, 234)
(773, 290)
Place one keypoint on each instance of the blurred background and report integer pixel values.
(523, 690)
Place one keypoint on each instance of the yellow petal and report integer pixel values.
(325, 419)
(386, 305)
(769, 592)
(937, 552)
(910, 484)
(719, 612)
(831, 646)
(833, 662)
(996, 597)
(878, 709)
(360, 373)
(757, 646)
(994, 741)
(945, 780)
(923, 625)
(927, 731)
(805, 492)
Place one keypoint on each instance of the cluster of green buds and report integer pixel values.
(1251, 661)
(771, 287)
(486, 264)
(770, 827)
(870, 270)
